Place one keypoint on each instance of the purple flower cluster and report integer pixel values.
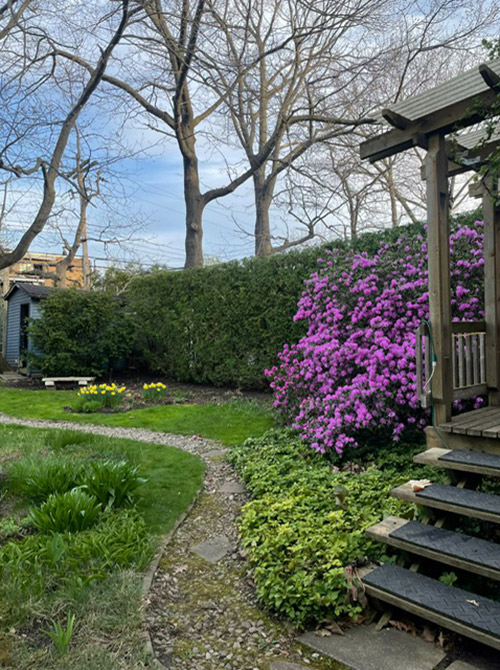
(355, 371)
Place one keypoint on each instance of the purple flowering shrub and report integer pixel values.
(354, 370)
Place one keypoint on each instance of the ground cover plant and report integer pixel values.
(303, 532)
(353, 373)
(230, 422)
(78, 525)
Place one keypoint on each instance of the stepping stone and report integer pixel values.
(216, 453)
(363, 648)
(285, 665)
(214, 549)
(231, 486)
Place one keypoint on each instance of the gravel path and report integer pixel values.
(201, 611)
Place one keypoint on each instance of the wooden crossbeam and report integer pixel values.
(395, 119)
(491, 78)
(408, 133)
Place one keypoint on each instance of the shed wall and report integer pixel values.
(15, 301)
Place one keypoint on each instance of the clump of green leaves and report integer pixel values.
(61, 636)
(37, 478)
(300, 534)
(448, 578)
(113, 484)
(72, 511)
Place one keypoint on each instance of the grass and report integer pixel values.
(230, 422)
(108, 613)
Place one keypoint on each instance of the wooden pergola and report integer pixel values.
(460, 360)
(467, 355)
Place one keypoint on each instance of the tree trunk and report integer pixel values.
(194, 213)
(393, 198)
(263, 193)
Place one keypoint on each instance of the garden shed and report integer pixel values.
(23, 303)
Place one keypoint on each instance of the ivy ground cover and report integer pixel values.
(78, 525)
(352, 376)
(303, 531)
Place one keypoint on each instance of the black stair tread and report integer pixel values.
(473, 500)
(448, 542)
(472, 458)
(449, 602)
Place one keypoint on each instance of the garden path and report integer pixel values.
(201, 609)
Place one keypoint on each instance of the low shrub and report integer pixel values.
(306, 523)
(113, 484)
(354, 372)
(71, 512)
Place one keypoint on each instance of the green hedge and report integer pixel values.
(225, 324)
(80, 333)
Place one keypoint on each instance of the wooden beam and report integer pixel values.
(395, 119)
(439, 275)
(443, 121)
(491, 217)
(490, 77)
(476, 190)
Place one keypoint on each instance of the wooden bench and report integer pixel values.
(50, 382)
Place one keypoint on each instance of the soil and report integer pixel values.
(178, 392)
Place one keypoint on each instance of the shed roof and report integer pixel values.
(36, 291)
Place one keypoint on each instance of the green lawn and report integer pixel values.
(107, 611)
(230, 422)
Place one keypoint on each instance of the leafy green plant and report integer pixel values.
(61, 439)
(306, 523)
(80, 332)
(113, 484)
(154, 392)
(448, 578)
(72, 511)
(61, 636)
(37, 478)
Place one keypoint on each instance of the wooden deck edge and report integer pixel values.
(432, 457)
(381, 531)
(435, 617)
(443, 440)
(405, 492)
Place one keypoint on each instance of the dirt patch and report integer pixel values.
(177, 391)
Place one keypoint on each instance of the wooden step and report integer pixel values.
(461, 611)
(445, 546)
(451, 499)
(464, 460)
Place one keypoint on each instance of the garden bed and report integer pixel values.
(303, 531)
(78, 525)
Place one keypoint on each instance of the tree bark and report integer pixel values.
(195, 204)
(263, 193)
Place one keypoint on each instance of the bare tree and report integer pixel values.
(171, 39)
(429, 44)
(37, 68)
(280, 67)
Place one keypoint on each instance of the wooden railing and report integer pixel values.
(468, 360)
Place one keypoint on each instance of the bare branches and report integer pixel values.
(50, 169)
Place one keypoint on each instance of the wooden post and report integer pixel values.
(491, 216)
(439, 275)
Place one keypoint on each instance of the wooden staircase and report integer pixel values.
(465, 612)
